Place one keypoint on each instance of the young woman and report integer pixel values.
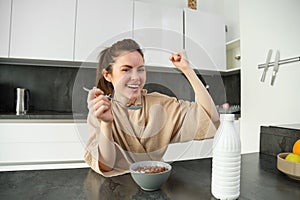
(120, 136)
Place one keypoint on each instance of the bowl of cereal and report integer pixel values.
(150, 175)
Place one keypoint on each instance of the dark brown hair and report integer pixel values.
(108, 56)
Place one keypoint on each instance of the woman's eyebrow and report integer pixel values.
(129, 66)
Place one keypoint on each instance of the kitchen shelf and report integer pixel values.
(233, 54)
(233, 44)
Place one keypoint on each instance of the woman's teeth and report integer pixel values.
(133, 86)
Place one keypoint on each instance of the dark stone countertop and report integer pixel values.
(260, 180)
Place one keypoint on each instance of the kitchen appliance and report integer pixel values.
(22, 96)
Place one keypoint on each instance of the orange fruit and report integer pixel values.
(296, 147)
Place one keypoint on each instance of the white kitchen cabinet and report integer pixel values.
(99, 24)
(43, 29)
(5, 13)
(28, 145)
(231, 14)
(159, 30)
(205, 40)
(61, 145)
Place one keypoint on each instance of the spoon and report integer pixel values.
(130, 107)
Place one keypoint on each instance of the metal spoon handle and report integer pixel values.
(131, 107)
(85, 89)
(110, 98)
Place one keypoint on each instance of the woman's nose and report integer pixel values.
(135, 75)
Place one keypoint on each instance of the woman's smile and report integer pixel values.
(134, 90)
(134, 87)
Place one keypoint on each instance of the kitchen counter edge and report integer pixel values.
(42, 120)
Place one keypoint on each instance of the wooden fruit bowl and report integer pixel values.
(291, 169)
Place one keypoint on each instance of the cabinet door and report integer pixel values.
(5, 12)
(33, 143)
(159, 30)
(231, 13)
(43, 29)
(99, 24)
(205, 40)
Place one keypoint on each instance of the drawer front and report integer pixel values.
(41, 142)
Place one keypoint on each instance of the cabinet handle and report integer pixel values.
(237, 57)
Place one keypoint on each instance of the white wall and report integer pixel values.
(268, 24)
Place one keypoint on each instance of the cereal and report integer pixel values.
(151, 169)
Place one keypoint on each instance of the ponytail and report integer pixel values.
(101, 82)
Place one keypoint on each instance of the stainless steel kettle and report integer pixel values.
(22, 101)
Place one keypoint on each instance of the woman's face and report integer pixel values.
(128, 75)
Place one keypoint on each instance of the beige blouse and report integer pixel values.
(145, 134)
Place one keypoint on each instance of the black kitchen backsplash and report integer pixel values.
(50, 87)
(275, 140)
(232, 85)
(57, 88)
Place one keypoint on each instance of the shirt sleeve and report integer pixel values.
(190, 121)
(91, 154)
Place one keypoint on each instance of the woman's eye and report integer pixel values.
(125, 70)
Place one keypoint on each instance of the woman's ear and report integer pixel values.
(106, 75)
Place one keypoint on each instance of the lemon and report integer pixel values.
(293, 157)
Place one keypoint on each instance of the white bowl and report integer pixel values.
(150, 181)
